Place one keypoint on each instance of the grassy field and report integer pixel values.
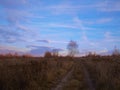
(104, 72)
(30, 73)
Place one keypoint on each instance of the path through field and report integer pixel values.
(87, 77)
(65, 80)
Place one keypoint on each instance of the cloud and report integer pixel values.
(79, 23)
(107, 35)
(68, 8)
(9, 48)
(40, 50)
(61, 8)
(58, 49)
(103, 51)
(109, 38)
(45, 41)
(52, 41)
(17, 11)
(12, 3)
(31, 49)
(103, 46)
(104, 20)
(11, 40)
(82, 28)
(37, 46)
(8, 34)
(61, 25)
(15, 16)
(84, 38)
(21, 27)
(73, 9)
(109, 6)
(99, 21)
(58, 42)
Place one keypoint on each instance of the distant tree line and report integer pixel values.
(73, 50)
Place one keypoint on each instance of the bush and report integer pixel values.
(48, 55)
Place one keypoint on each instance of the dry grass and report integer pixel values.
(76, 82)
(31, 73)
(105, 72)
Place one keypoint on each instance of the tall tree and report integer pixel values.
(72, 48)
(116, 51)
(55, 52)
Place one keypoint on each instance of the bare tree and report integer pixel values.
(116, 51)
(55, 52)
(72, 48)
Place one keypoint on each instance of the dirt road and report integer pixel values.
(87, 78)
(64, 80)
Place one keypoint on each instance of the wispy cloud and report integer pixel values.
(8, 34)
(58, 25)
(104, 20)
(109, 6)
(18, 11)
(15, 16)
(13, 48)
(99, 21)
(15, 34)
(79, 23)
(21, 27)
(83, 28)
(45, 41)
(40, 50)
(12, 3)
(110, 38)
(68, 8)
(52, 41)
(59, 42)
(85, 39)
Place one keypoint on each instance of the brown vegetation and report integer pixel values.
(31, 73)
(104, 72)
(38, 73)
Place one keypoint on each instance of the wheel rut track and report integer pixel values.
(69, 74)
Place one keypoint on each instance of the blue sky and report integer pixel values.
(36, 26)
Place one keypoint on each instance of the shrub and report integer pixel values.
(48, 55)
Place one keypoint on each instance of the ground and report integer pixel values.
(60, 73)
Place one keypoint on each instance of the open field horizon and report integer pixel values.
(59, 44)
(60, 73)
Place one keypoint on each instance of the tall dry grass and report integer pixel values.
(105, 72)
(29, 73)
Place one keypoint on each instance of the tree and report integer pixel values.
(55, 52)
(116, 52)
(72, 48)
(48, 55)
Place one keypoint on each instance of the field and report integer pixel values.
(104, 72)
(60, 73)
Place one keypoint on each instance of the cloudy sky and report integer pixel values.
(36, 26)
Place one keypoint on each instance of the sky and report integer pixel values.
(37, 26)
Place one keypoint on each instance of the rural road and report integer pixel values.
(64, 80)
(87, 77)
(69, 74)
